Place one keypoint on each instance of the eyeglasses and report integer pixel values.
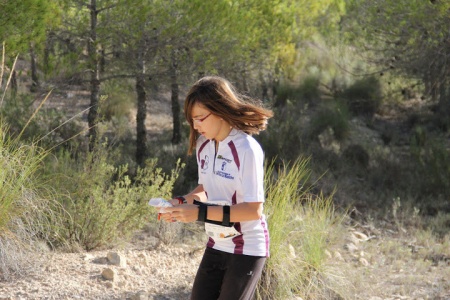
(202, 119)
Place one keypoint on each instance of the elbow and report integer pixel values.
(257, 210)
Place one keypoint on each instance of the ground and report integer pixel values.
(368, 263)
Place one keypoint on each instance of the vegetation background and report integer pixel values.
(91, 127)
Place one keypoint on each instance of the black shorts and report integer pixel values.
(227, 276)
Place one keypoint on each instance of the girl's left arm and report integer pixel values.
(246, 211)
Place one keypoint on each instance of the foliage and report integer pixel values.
(363, 97)
(299, 226)
(334, 116)
(25, 22)
(283, 138)
(305, 93)
(432, 167)
(26, 203)
(117, 104)
(401, 37)
(103, 202)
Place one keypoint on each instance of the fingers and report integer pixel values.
(166, 217)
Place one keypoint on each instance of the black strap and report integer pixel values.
(203, 211)
(226, 216)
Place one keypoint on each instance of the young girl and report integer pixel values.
(230, 193)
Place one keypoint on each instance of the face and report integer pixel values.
(209, 125)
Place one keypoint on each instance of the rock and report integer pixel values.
(108, 274)
(115, 259)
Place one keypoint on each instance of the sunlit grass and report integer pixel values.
(301, 227)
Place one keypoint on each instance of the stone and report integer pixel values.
(108, 274)
(115, 259)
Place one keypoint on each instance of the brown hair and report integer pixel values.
(219, 96)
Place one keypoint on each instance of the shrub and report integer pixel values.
(283, 138)
(335, 116)
(306, 93)
(363, 97)
(104, 203)
(356, 156)
(118, 103)
(432, 163)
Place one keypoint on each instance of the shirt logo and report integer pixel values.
(223, 158)
(204, 163)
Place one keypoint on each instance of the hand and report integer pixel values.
(183, 213)
(166, 217)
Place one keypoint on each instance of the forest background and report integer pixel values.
(360, 91)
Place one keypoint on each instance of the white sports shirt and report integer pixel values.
(235, 174)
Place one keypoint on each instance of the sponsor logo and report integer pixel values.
(224, 175)
(223, 158)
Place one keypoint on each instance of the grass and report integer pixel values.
(301, 228)
(24, 213)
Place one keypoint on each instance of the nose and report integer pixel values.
(195, 125)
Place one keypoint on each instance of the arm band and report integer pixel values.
(226, 216)
(202, 211)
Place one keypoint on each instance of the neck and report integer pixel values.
(224, 132)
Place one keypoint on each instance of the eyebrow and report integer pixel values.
(199, 115)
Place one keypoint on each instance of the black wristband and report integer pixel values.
(181, 199)
(226, 216)
(202, 212)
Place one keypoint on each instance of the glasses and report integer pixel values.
(201, 120)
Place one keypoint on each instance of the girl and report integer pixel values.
(230, 193)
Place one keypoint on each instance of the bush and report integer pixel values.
(363, 97)
(356, 156)
(104, 203)
(335, 116)
(432, 163)
(306, 93)
(283, 138)
(118, 103)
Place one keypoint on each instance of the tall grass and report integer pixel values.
(300, 226)
(24, 214)
(27, 211)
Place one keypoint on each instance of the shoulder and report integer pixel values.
(202, 142)
(245, 143)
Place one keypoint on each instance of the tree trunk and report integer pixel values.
(141, 131)
(34, 76)
(95, 77)
(176, 134)
(47, 51)
(444, 105)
